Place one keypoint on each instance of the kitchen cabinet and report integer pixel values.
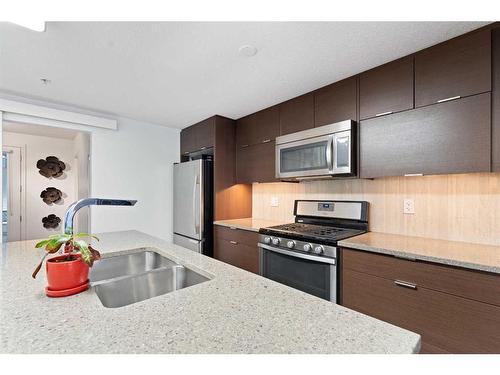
(451, 137)
(336, 102)
(495, 113)
(237, 247)
(456, 68)
(260, 127)
(297, 114)
(453, 317)
(256, 163)
(386, 89)
(199, 136)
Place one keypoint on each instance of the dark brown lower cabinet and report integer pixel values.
(451, 137)
(448, 323)
(237, 247)
(255, 163)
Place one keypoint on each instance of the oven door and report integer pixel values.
(308, 273)
(309, 157)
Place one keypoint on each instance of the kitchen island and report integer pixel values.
(234, 312)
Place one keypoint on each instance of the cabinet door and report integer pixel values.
(451, 137)
(256, 163)
(237, 254)
(260, 127)
(386, 89)
(245, 129)
(444, 321)
(188, 140)
(297, 114)
(495, 131)
(335, 102)
(205, 133)
(459, 67)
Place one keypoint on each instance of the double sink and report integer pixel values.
(125, 279)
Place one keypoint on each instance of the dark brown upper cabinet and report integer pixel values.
(495, 120)
(260, 127)
(297, 114)
(450, 137)
(386, 89)
(198, 137)
(335, 102)
(456, 68)
(255, 163)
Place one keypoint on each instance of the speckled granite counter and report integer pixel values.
(461, 254)
(235, 312)
(248, 223)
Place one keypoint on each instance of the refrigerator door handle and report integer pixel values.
(195, 213)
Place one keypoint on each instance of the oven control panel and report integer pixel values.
(299, 246)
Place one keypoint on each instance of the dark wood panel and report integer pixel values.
(245, 128)
(245, 237)
(476, 285)
(388, 88)
(255, 163)
(451, 137)
(267, 124)
(205, 133)
(297, 114)
(336, 102)
(188, 140)
(427, 348)
(460, 66)
(451, 323)
(495, 133)
(237, 254)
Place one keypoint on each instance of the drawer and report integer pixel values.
(476, 285)
(237, 254)
(445, 322)
(245, 237)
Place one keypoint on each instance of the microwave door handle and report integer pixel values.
(329, 153)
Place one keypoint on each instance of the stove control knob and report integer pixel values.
(267, 240)
(276, 241)
(290, 244)
(307, 247)
(319, 249)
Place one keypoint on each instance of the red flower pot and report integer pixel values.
(66, 275)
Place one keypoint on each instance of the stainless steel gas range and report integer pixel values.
(303, 254)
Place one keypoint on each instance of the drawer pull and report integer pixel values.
(234, 242)
(448, 99)
(266, 141)
(405, 284)
(383, 113)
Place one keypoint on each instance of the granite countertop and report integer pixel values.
(234, 312)
(248, 223)
(462, 254)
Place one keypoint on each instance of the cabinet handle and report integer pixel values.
(234, 242)
(405, 284)
(186, 153)
(203, 148)
(413, 174)
(233, 228)
(243, 146)
(383, 113)
(266, 141)
(448, 99)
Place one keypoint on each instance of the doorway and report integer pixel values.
(12, 179)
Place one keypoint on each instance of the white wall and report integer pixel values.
(134, 162)
(39, 147)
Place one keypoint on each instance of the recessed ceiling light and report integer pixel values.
(247, 50)
(45, 81)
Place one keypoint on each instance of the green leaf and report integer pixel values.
(42, 244)
(82, 235)
(84, 250)
(55, 243)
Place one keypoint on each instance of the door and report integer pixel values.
(297, 114)
(12, 199)
(188, 201)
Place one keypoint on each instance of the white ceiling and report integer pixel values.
(178, 73)
(44, 131)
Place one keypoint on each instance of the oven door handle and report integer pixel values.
(329, 153)
(298, 255)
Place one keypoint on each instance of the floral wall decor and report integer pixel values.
(51, 222)
(51, 166)
(51, 195)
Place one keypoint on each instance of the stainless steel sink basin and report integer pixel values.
(128, 290)
(126, 265)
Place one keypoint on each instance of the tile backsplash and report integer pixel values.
(464, 207)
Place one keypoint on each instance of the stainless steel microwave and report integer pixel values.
(325, 151)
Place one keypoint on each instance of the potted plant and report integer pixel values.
(67, 274)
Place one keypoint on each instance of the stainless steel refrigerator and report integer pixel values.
(193, 205)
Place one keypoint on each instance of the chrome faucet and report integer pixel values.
(70, 213)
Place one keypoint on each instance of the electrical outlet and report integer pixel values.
(275, 202)
(408, 206)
